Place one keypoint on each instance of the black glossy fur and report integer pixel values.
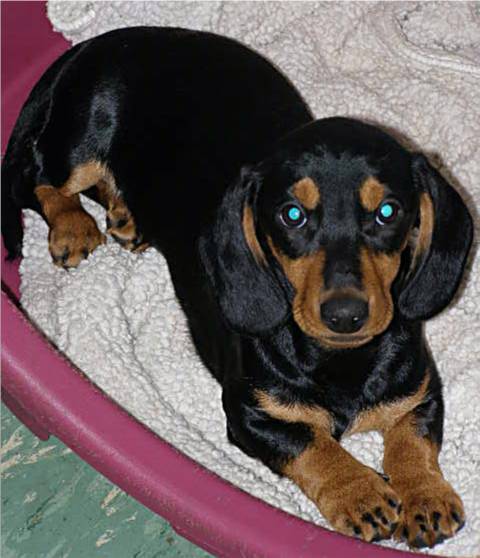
(194, 127)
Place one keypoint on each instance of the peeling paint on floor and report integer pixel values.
(105, 538)
(30, 497)
(13, 442)
(34, 457)
(5, 465)
(54, 505)
(110, 496)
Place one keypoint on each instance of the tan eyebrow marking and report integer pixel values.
(307, 193)
(372, 193)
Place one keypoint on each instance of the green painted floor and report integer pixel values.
(55, 505)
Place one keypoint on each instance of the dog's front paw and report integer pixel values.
(433, 512)
(364, 506)
(73, 236)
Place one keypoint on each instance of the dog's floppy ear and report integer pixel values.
(444, 239)
(251, 299)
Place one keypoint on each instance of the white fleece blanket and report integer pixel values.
(414, 67)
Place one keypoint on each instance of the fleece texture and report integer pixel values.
(413, 67)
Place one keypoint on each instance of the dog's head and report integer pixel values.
(340, 228)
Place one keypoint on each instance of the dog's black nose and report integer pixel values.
(344, 315)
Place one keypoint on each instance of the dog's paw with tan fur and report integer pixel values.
(73, 236)
(364, 506)
(121, 226)
(432, 513)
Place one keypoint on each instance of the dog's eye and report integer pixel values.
(387, 213)
(292, 216)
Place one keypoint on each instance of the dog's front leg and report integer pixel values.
(432, 509)
(355, 499)
(296, 441)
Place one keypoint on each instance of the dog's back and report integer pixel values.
(142, 101)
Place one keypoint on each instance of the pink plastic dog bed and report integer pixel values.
(50, 396)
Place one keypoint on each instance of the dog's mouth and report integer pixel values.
(345, 341)
(327, 338)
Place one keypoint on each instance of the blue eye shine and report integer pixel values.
(386, 213)
(292, 216)
(386, 210)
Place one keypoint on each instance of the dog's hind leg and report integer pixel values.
(120, 223)
(73, 232)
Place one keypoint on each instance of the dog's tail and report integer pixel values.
(12, 231)
(18, 172)
(19, 165)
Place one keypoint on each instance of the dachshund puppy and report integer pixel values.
(306, 254)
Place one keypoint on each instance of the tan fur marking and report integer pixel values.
(411, 462)
(73, 232)
(122, 225)
(378, 272)
(86, 175)
(95, 173)
(315, 417)
(307, 193)
(341, 487)
(306, 276)
(108, 194)
(427, 220)
(372, 193)
(384, 416)
(54, 203)
(299, 271)
(407, 454)
(250, 236)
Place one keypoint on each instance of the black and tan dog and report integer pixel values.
(305, 254)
